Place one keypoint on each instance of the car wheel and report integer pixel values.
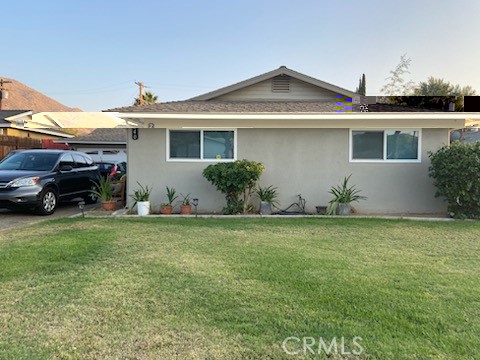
(48, 202)
(91, 198)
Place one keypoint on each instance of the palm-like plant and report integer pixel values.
(171, 196)
(142, 194)
(148, 98)
(268, 194)
(103, 189)
(343, 194)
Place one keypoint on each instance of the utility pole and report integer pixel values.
(3, 91)
(140, 91)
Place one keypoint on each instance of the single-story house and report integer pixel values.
(288, 121)
(104, 144)
(15, 123)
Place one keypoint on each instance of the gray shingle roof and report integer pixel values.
(113, 135)
(190, 106)
(7, 113)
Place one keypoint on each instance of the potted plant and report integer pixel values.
(268, 198)
(186, 206)
(141, 197)
(166, 208)
(343, 196)
(104, 191)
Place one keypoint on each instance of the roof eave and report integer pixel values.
(467, 117)
(94, 142)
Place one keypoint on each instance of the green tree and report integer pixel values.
(362, 86)
(435, 93)
(441, 93)
(148, 98)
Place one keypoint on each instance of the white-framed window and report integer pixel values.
(385, 145)
(209, 145)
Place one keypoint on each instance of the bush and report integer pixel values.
(456, 174)
(237, 180)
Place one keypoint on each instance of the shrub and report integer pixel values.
(456, 175)
(237, 180)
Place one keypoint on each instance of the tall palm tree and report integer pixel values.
(148, 98)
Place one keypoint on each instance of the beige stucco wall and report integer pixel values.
(299, 90)
(306, 161)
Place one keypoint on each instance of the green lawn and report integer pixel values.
(236, 288)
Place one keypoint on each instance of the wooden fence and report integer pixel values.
(8, 143)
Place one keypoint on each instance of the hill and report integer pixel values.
(20, 96)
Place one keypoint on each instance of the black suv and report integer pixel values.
(39, 179)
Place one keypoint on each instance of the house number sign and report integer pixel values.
(134, 134)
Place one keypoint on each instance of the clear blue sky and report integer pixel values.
(87, 53)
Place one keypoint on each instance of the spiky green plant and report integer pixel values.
(103, 189)
(268, 194)
(343, 194)
(142, 194)
(171, 195)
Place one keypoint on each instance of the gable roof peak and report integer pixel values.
(282, 70)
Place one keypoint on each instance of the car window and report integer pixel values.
(67, 159)
(122, 166)
(103, 166)
(30, 161)
(89, 160)
(80, 160)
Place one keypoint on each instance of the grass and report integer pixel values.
(235, 289)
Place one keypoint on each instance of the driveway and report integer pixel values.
(11, 219)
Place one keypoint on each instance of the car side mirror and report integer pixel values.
(65, 168)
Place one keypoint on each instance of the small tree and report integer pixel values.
(456, 174)
(362, 86)
(397, 84)
(237, 180)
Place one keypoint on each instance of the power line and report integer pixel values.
(99, 89)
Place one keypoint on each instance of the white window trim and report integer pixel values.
(167, 142)
(385, 160)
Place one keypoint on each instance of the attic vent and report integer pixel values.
(281, 84)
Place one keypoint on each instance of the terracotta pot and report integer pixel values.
(166, 210)
(186, 209)
(109, 205)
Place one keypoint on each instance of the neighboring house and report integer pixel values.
(102, 144)
(15, 135)
(76, 120)
(287, 121)
(469, 136)
(14, 123)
